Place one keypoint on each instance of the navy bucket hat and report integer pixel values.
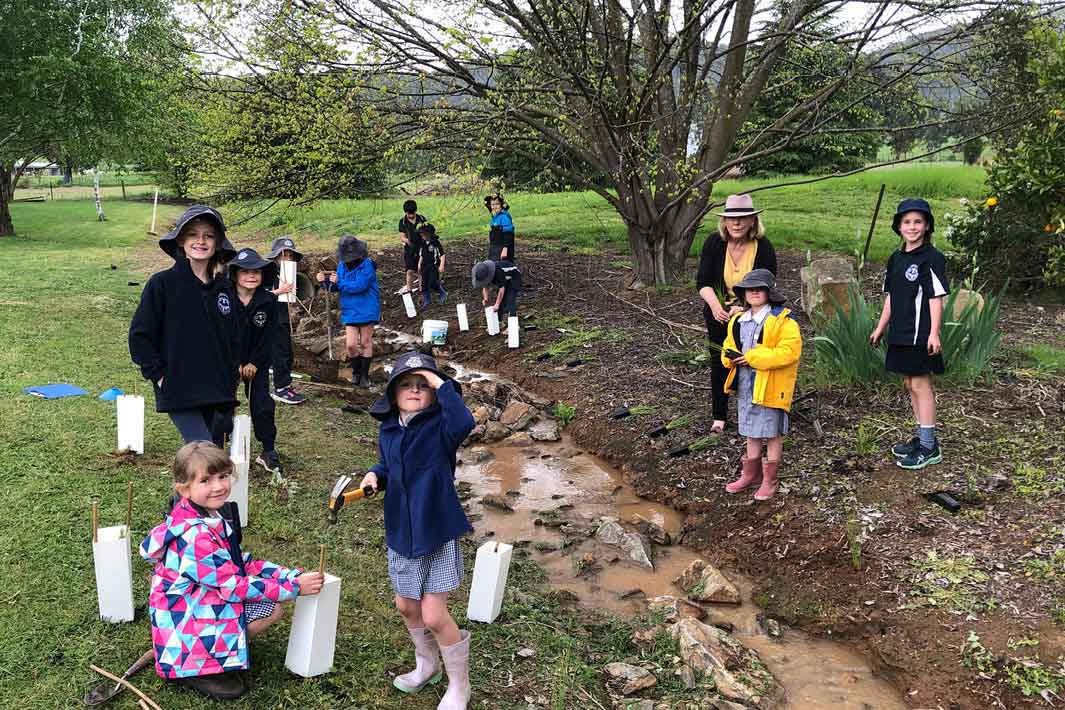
(249, 259)
(913, 204)
(351, 248)
(284, 244)
(169, 241)
(385, 406)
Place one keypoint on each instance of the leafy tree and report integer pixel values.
(75, 78)
(623, 87)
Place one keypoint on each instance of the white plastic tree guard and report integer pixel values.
(287, 272)
(240, 453)
(491, 317)
(512, 332)
(114, 573)
(130, 410)
(312, 641)
(464, 321)
(408, 304)
(489, 581)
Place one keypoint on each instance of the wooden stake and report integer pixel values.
(95, 538)
(155, 207)
(321, 559)
(151, 703)
(872, 225)
(129, 510)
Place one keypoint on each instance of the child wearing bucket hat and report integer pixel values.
(360, 303)
(184, 334)
(423, 423)
(504, 276)
(431, 264)
(283, 249)
(256, 308)
(915, 282)
(761, 350)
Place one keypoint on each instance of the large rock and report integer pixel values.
(824, 280)
(481, 414)
(703, 582)
(964, 298)
(738, 672)
(545, 430)
(517, 415)
(494, 431)
(653, 530)
(628, 679)
(633, 545)
(520, 439)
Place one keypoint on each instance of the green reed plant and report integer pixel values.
(842, 351)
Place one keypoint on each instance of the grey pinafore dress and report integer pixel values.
(755, 421)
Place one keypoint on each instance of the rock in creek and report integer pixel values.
(518, 415)
(479, 454)
(703, 582)
(481, 414)
(494, 431)
(633, 545)
(628, 679)
(497, 501)
(654, 531)
(520, 439)
(738, 672)
(545, 430)
(676, 609)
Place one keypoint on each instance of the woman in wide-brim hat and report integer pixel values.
(738, 247)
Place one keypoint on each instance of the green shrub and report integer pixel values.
(564, 413)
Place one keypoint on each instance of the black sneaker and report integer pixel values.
(906, 448)
(287, 395)
(921, 457)
(271, 462)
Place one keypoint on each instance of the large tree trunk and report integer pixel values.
(7, 193)
(660, 252)
(68, 172)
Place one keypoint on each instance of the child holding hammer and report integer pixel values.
(423, 423)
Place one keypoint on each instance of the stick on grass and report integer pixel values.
(129, 509)
(151, 703)
(95, 537)
(321, 559)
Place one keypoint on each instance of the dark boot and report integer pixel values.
(366, 362)
(220, 686)
(356, 372)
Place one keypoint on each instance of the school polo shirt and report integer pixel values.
(912, 279)
(411, 230)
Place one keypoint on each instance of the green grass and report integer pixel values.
(832, 215)
(107, 179)
(64, 316)
(1047, 357)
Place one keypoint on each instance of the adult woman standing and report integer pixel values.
(738, 248)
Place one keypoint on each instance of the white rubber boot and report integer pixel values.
(457, 665)
(427, 658)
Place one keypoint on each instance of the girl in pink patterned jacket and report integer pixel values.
(207, 597)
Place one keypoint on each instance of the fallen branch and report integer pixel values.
(122, 681)
(648, 311)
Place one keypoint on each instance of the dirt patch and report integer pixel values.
(850, 549)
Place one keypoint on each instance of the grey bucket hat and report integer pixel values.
(482, 273)
(284, 244)
(760, 278)
(351, 248)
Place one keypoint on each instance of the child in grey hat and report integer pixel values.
(504, 276)
(283, 249)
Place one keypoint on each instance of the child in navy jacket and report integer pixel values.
(184, 334)
(423, 423)
(257, 318)
(360, 303)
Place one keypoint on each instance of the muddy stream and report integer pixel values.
(557, 492)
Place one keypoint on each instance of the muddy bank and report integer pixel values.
(809, 568)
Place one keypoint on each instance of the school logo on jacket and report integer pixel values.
(259, 319)
(223, 304)
(911, 273)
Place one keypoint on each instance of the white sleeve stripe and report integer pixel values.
(938, 289)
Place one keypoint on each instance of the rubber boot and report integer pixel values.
(427, 663)
(366, 361)
(219, 686)
(769, 481)
(750, 472)
(457, 665)
(356, 372)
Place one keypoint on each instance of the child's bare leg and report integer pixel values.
(351, 340)
(435, 615)
(411, 611)
(913, 398)
(774, 448)
(366, 340)
(924, 399)
(754, 449)
(260, 625)
(411, 275)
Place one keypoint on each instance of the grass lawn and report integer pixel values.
(64, 316)
(827, 216)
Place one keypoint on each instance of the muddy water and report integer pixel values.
(816, 674)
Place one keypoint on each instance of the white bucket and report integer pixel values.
(434, 331)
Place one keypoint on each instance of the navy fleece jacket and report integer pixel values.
(258, 323)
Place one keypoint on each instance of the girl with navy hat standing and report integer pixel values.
(423, 423)
(915, 283)
(184, 334)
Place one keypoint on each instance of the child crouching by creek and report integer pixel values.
(423, 423)
(761, 349)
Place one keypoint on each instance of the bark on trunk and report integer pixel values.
(68, 173)
(7, 193)
(660, 253)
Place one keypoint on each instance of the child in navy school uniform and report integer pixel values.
(256, 308)
(283, 249)
(409, 224)
(506, 277)
(431, 265)
(423, 423)
(360, 303)
(915, 283)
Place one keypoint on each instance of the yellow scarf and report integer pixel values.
(734, 272)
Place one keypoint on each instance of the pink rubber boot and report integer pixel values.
(750, 469)
(769, 481)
